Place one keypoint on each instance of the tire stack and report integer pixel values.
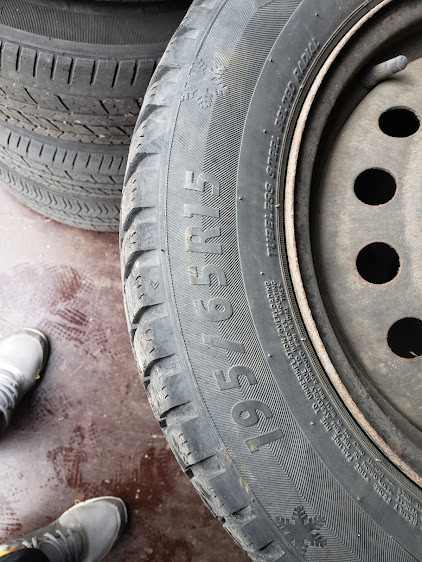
(72, 80)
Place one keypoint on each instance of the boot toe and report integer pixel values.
(26, 351)
(101, 521)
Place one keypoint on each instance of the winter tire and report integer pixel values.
(270, 345)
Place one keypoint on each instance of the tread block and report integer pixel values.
(143, 288)
(39, 99)
(191, 439)
(179, 49)
(151, 342)
(105, 73)
(82, 71)
(44, 67)
(9, 55)
(141, 237)
(251, 532)
(17, 93)
(84, 106)
(220, 493)
(125, 72)
(62, 68)
(155, 146)
(139, 193)
(120, 106)
(167, 391)
(34, 148)
(271, 553)
(27, 60)
(144, 70)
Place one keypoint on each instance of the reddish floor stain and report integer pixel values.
(181, 550)
(67, 461)
(9, 522)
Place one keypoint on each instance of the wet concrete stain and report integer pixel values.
(63, 307)
(67, 461)
(181, 550)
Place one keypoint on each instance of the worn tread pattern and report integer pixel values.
(66, 168)
(87, 214)
(109, 128)
(68, 109)
(174, 402)
(38, 87)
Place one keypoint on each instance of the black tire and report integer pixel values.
(254, 422)
(72, 80)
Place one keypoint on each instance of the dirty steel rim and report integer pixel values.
(351, 214)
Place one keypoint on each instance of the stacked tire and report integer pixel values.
(72, 80)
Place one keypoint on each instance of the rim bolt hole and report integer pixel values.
(405, 338)
(378, 263)
(375, 187)
(399, 122)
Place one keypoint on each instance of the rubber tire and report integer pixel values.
(259, 431)
(72, 79)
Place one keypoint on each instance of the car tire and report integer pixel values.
(231, 366)
(72, 80)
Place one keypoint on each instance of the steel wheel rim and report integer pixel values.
(295, 253)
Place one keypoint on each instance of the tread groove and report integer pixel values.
(34, 67)
(71, 71)
(53, 67)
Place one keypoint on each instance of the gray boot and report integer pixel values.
(84, 533)
(22, 357)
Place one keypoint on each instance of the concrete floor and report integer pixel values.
(87, 430)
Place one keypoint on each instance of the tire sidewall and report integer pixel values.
(219, 159)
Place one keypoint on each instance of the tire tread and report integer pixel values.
(174, 402)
